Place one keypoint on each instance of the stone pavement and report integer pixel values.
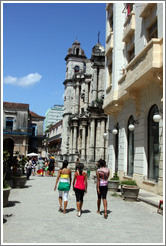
(32, 217)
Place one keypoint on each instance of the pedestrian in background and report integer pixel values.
(80, 187)
(51, 165)
(99, 198)
(77, 163)
(28, 167)
(64, 178)
(102, 185)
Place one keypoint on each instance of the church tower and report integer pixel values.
(84, 121)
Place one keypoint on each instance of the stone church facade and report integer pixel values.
(84, 121)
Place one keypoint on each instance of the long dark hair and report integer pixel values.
(102, 163)
(80, 168)
(65, 164)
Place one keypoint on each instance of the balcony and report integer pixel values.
(129, 27)
(144, 69)
(109, 44)
(17, 131)
(146, 9)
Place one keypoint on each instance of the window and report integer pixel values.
(34, 129)
(9, 124)
(110, 74)
(131, 54)
(153, 145)
(152, 31)
(111, 23)
(130, 149)
(77, 52)
(76, 69)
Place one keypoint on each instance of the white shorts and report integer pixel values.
(64, 194)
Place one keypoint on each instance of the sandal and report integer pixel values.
(60, 210)
(105, 216)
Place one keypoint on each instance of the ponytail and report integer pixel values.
(80, 168)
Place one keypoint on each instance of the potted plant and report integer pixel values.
(129, 189)
(113, 183)
(19, 179)
(6, 187)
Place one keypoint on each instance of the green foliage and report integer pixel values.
(115, 194)
(5, 184)
(6, 156)
(115, 177)
(128, 182)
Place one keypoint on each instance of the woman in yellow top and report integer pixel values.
(64, 178)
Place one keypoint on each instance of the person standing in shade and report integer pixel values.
(64, 178)
(102, 185)
(80, 187)
(76, 164)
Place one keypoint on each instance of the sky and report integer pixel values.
(36, 39)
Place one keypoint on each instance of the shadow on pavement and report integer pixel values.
(68, 210)
(108, 212)
(12, 203)
(6, 216)
(86, 211)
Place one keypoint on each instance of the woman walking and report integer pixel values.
(80, 187)
(64, 178)
(102, 186)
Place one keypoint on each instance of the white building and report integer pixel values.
(84, 121)
(53, 115)
(134, 92)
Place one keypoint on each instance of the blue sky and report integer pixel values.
(36, 38)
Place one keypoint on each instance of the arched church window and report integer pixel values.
(77, 52)
(153, 145)
(130, 149)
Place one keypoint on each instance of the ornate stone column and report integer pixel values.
(77, 98)
(84, 123)
(101, 85)
(86, 96)
(92, 141)
(71, 141)
(94, 89)
(102, 150)
(75, 124)
(74, 100)
(98, 139)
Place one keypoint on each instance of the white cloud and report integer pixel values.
(28, 80)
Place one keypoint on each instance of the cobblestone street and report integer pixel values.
(32, 217)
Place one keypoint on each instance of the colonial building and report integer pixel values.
(54, 139)
(22, 129)
(134, 92)
(84, 121)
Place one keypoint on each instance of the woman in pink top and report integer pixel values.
(80, 187)
(102, 186)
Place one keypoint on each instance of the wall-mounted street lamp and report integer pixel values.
(131, 126)
(157, 116)
(114, 131)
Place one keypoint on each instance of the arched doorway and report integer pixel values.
(153, 145)
(116, 148)
(130, 149)
(8, 144)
